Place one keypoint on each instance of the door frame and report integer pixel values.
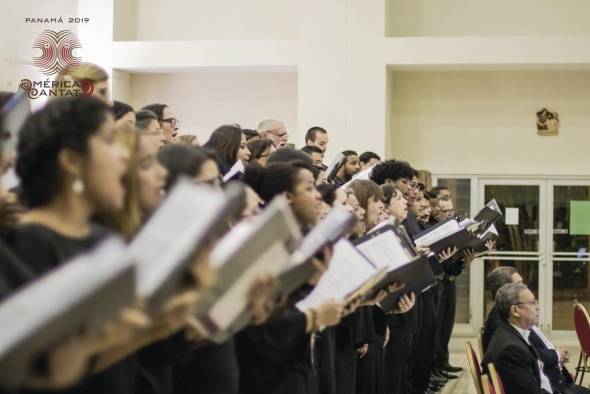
(554, 181)
(476, 277)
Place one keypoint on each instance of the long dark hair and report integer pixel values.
(225, 141)
(65, 123)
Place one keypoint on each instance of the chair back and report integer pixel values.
(474, 367)
(488, 388)
(495, 378)
(582, 324)
(480, 348)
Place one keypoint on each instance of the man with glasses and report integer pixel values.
(512, 348)
(274, 130)
(168, 121)
(553, 358)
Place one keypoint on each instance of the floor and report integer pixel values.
(465, 385)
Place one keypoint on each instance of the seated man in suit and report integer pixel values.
(496, 279)
(512, 348)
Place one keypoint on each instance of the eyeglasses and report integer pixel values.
(173, 122)
(534, 302)
(413, 185)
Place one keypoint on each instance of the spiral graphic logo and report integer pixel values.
(57, 52)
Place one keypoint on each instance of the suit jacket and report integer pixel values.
(492, 322)
(549, 357)
(515, 360)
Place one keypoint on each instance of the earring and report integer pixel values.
(78, 186)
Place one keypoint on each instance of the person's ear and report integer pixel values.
(70, 162)
(388, 181)
(514, 311)
(289, 196)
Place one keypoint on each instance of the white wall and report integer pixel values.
(487, 119)
(499, 17)
(205, 19)
(205, 100)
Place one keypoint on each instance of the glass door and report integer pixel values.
(568, 240)
(522, 236)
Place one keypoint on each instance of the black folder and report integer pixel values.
(415, 273)
(416, 276)
(488, 215)
(78, 295)
(459, 240)
(188, 219)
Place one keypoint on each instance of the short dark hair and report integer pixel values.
(157, 108)
(225, 141)
(365, 157)
(181, 159)
(287, 155)
(347, 153)
(143, 119)
(309, 149)
(391, 169)
(312, 132)
(65, 123)
(257, 146)
(120, 109)
(328, 192)
(274, 179)
(436, 190)
(499, 277)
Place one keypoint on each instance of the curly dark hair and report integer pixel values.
(393, 170)
(65, 123)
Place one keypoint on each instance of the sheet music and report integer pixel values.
(228, 244)
(348, 271)
(233, 302)
(237, 168)
(385, 250)
(171, 233)
(466, 222)
(327, 230)
(492, 229)
(439, 233)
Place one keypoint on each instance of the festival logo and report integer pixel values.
(57, 52)
(57, 58)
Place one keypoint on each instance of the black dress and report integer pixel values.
(349, 336)
(13, 272)
(210, 369)
(42, 249)
(370, 368)
(276, 357)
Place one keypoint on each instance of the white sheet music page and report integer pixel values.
(170, 234)
(439, 233)
(385, 250)
(348, 271)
